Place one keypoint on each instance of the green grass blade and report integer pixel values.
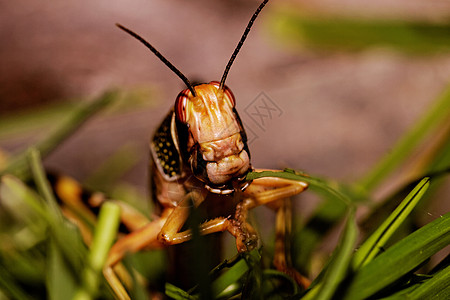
(108, 173)
(42, 183)
(176, 293)
(14, 191)
(18, 165)
(337, 267)
(400, 259)
(376, 242)
(438, 113)
(353, 34)
(34, 119)
(37, 212)
(233, 274)
(10, 287)
(437, 287)
(60, 280)
(105, 233)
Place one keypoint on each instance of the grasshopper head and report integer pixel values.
(216, 143)
(211, 137)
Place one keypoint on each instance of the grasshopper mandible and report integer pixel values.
(200, 151)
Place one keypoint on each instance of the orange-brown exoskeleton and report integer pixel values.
(200, 150)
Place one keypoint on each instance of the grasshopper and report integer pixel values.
(199, 152)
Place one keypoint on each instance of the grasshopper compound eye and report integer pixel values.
(181, 103)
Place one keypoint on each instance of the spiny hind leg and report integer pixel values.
(282, 253)
(274, 192)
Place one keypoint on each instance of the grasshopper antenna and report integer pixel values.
(161, 57)
(241, 42)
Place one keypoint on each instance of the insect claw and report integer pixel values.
(246, 242)
(164, 239)
(252, 242)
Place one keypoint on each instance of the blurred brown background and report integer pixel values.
(340, 111)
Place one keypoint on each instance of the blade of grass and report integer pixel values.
(376, 242)
(60, 229)
(24, 264)
(66, 249)
(32, 120)
(436, 287)
(60, 280)
(253, 285)
(433, 162)
(353, 34)
(438, 113)
(14, 190)
(337, 267)
(18, 165)
(233, 274)
(8, 284)
(436, 156)
(400, 259)
(66, 235)
(177, 293)
(105, 233)
(113, 168)
(42, 183)
(227, 263)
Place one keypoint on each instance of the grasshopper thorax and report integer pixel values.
(215, 146)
